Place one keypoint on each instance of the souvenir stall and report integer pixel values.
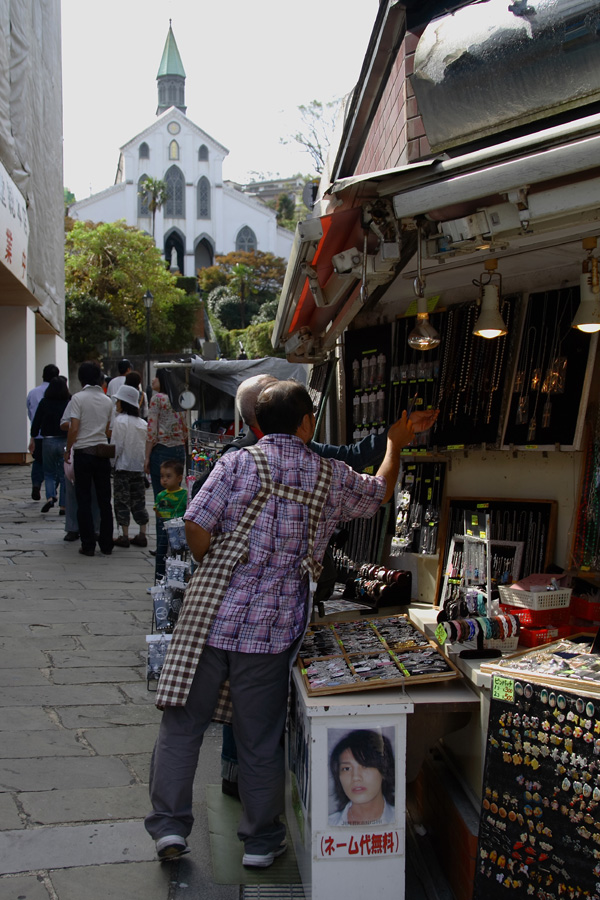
(474, 307)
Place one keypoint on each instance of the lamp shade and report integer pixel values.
(587, 317)
(490, 323)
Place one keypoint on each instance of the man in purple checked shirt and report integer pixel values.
(259, 526)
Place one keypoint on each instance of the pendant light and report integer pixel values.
(490, 323)
(423, 336)
(587, 317)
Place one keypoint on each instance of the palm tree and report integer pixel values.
(154, 192)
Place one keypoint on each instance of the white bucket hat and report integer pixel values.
(128, 394)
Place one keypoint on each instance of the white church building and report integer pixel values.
(203, 216)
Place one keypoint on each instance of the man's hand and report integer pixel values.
(31, 447)
(423, 420)
(401, 432)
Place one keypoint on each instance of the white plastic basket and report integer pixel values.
(535, 599)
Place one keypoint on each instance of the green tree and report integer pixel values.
(154, 192)
(263, 273)
(116, 263)
(88, 323)
(69, 198)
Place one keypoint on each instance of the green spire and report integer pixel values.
(170, 63)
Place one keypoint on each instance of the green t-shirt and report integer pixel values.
(171, 504)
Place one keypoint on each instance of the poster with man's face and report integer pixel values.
(362, 776)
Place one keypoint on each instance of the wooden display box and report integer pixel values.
(369, 654)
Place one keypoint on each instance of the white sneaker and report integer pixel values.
(171, 847)
(263, 860)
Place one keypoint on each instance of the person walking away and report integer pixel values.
(259, 528)
(46, 422)
(87, 438)
(170, 503)
(134, 379)
(33, 398)
(129, 433)
(123, 367)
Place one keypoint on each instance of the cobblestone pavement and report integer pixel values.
(77, 722)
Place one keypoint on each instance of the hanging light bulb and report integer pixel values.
(490, 323)
(587, 317)
(423, 336)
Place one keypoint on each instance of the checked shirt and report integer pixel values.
(210, 581)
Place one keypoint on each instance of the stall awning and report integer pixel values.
(313, 295)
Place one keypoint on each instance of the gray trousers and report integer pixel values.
(259, 689)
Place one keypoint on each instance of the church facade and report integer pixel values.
(203, 215)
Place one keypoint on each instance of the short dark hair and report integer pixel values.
(128, 408)
(174, 464)
(281, 407)
(123, 365)
(133, 379)
(50, 371)
(90, 373)
(57, 389)
(370, 749)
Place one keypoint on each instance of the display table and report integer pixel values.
(352, 860)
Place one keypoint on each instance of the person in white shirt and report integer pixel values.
(87, 437)
(124, 367)
(364, 777)
(129, 434)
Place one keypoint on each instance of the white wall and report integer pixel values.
(17, 351)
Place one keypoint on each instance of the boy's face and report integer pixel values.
(170, 480)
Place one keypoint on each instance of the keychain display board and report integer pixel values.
(530, 522)
(539, 833)
(369, 654)
(552, 375)
(418, 501)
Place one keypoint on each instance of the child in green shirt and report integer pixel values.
(170, 503)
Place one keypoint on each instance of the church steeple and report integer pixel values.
(171, 77)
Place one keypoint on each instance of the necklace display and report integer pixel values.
(518, 521)
(547, 391)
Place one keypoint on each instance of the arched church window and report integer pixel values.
(246, 239)
(142, 198)
(175, 205)
(203, 205)
(203, 153)
(144, 152)
(173, 150)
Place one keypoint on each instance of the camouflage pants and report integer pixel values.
(129, 496)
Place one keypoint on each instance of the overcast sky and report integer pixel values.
(248, 67)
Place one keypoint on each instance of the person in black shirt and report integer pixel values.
(46, 422)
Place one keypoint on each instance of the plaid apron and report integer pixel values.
(211, 579)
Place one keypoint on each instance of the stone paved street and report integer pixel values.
(77, 722)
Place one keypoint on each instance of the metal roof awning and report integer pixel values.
(312, 294)
(538, 189)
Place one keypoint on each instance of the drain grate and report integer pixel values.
(272, 892)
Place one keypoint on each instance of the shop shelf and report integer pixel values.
(537, 618)
(535, 599)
